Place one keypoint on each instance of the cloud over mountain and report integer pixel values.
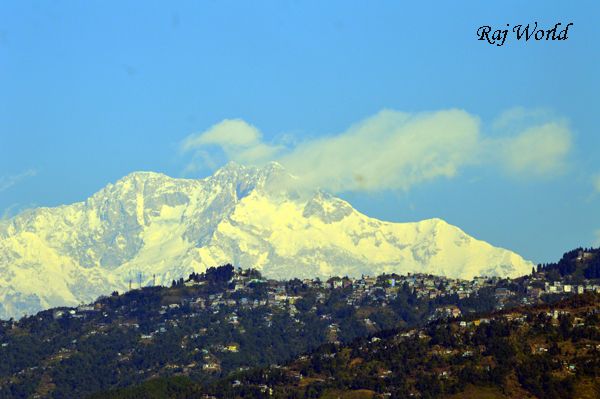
(238, 139)
(398, 150)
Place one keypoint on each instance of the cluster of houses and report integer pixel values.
(538, 285)
(277, 295)
(560, 287)
(376, 344)
(247, 291)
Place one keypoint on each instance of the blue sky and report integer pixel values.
(94, 90)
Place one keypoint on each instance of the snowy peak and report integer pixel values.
(270, 179)
(232, 171)
(150, 224)
(327, 208)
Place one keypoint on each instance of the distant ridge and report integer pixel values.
(150, 224)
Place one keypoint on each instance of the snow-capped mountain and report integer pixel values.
(163, 228)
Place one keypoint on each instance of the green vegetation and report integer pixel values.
(544, 352)
(204, 327)
(578, 263)
(212, 330)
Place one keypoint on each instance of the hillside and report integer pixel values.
(206, 327)
(226, 320)
(530, 352)
(150, 228)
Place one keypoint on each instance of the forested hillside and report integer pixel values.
(540, 352)
(228, 320)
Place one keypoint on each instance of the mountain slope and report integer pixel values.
(547, 351)
(149, 226)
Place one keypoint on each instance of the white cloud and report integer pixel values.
(391, 150)
(529, 143)
(238, 139)
(538, 151)
(7, 182)
(518, 118)
(396, 150)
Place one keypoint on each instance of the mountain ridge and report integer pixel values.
(163, 228)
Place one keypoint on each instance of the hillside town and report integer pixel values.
(229, 319)
(241, 292)
(552, 351)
